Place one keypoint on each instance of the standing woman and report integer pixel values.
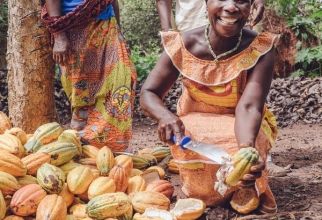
(97, 74)
(227, 72)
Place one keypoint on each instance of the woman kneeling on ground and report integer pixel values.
(226, 74)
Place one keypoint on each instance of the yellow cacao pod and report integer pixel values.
(135, 172)
(34, 161)
(52, 207)
(100, 186)
(242, 160)
(19, 133)
(136, 184)
(109, 205)
(3, 207)
(188, 209)
(26, 200)
(51, 178)
(8, 183)
(160, 170)
(143, 200)
(26, 180)
(173, 167)
(126, 162)
(90, 151)
(79, 179)
(67, 167)
(11, 144)
(4, 122)
(12, 164)
(105, 160)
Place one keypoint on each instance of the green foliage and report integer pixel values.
(140, 23)
(304, 17)
(144, 62)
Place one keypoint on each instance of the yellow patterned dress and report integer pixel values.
(99, 78)
(210, 95)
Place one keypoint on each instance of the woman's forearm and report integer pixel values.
(152, 105)
(164, 10)
(53, 7)
(247, 124)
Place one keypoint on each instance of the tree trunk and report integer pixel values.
(30, 67)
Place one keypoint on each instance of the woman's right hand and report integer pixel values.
(61, 48)
(170, 125)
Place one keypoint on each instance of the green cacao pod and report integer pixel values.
(51, 178)
(109, 205)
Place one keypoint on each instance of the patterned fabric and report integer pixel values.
(211, 91)
(70, 5)
(100, 78)
(81, 16)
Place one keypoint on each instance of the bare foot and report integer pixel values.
(277, 171)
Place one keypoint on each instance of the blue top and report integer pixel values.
(70, 5)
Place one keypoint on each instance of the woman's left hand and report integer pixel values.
(249, 179)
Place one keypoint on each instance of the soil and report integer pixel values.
(298, 195)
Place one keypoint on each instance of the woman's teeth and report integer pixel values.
(228, 21)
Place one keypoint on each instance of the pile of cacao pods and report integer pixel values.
(50, 175)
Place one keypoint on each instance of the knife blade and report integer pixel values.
(211, 151)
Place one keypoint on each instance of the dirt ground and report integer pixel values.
(298, 195)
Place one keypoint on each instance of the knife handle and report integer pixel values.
(185, 140)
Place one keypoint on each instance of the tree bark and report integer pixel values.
(30, 67)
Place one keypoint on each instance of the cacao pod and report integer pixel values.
(79, 179)
(161, 186)
(13, 217)
(79, 211)
(188, 209)
(8, 183)
(67, 195)
(105, 160)
(136, 184)
(245, 200)
(19, 133)
(109, 205)
(242, 160)
(160, 170)
(26, 180)
(11, 144)
(51, 178)
(90, 151)
(60, 153)
(44, 134)
(34, 161)
(4, 122)
(173, 167)
(100, 186)
(72, 137)
(67, 167)
(160, 153)
(26, 200)
(3, 207)
(147, 199)
(119, 175)
(52, 207)
(11, 164)
(135, 172)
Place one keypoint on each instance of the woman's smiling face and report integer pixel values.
(228, 17)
